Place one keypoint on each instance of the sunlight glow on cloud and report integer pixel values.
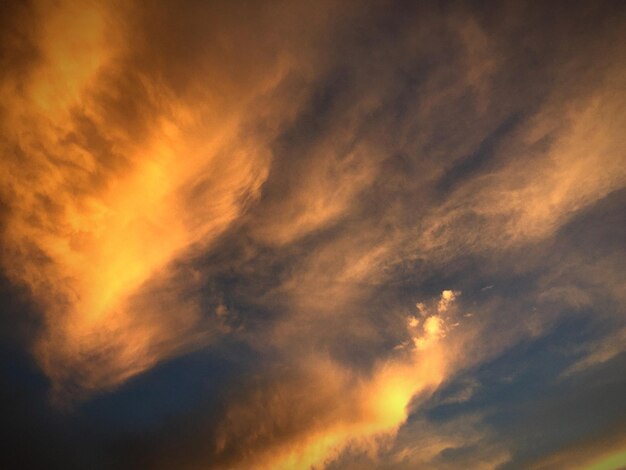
(352, 208)
(96, 212)
(349, 411)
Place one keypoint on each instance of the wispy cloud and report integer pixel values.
(374, 200)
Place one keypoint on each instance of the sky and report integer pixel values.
(312, 234)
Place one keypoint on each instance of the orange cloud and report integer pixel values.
(536, 189)
(100, 204)
(136, 139)
(309, 420)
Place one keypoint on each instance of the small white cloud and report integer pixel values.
(421, 308)
(412, 321)
(447, 298)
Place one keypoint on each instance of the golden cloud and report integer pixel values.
(308, 420)
(106, 186)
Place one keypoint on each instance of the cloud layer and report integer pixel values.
(366, 210)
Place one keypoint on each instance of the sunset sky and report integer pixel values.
(312, 234)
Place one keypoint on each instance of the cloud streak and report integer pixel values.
(376, 202)
(109, 177)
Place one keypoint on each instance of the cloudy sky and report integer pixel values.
(313, 234)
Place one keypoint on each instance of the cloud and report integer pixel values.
(599, 352)
(111, 175)
(517, 203)
(309, 411)
(327, 187)
(462, 441)
(605, 451)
